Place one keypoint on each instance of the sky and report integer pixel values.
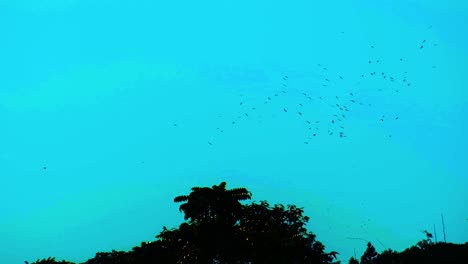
(110, 109)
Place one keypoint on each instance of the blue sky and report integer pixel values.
(92, 90)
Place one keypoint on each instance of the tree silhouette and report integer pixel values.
(278, 235)
(49, 260)
(388, 257)
(222, 230)
(370, 255)
(212, 214)
(217, 204)
(114, 257)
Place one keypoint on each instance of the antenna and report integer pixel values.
(381, 244)
(443, 227)
(435, 234)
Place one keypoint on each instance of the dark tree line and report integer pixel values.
(219, 229)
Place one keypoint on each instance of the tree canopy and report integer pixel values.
(219, 229)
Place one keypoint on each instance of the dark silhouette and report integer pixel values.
(370, 255)
(222, 230)
(49, 260)
(206, 204)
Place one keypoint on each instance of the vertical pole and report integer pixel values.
(443, 227)
(435, 234)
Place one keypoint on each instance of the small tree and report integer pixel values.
(352, 260)
(49, 260)
(370, 255)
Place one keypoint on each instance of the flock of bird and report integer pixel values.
(300, 102)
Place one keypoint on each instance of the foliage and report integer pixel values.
(114, 257)
(205, 204)
(370, 255)
(279, 234)
(49, 260)
(222, 230)
(352, 260)
(425, 251)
